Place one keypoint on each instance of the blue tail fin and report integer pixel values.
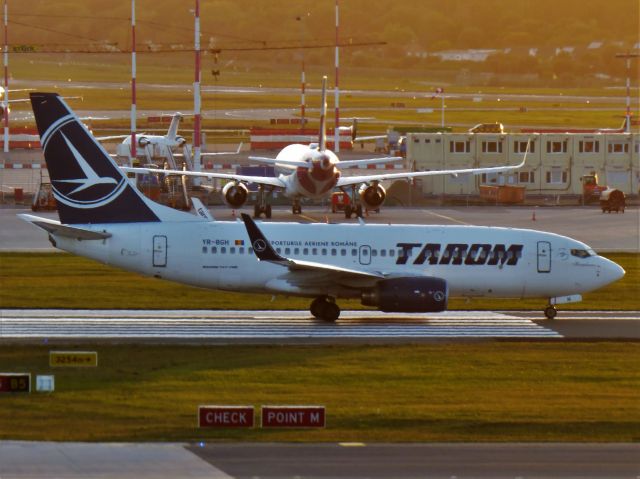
(87, 184)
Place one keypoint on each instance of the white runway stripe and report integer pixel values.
(262, 325)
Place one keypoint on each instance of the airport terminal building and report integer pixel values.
(554, 166)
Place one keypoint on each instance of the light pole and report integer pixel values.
(628, 56)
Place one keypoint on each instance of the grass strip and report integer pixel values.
(584, 392)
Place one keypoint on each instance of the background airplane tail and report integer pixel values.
(322, 134)
(88, 185)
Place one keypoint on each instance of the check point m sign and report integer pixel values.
(226, 416)
(293, 416)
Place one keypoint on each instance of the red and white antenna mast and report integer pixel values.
(196, 96)
(337, 89)
(6, 80)
(134, 112)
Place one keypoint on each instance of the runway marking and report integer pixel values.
(448, 218)
(263, 325)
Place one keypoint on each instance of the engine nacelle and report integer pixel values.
(408, 295)
(372, 196)
(143, 141)
(235, 194)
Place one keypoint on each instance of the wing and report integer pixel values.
(291, 164)
(262, 180)
(56, 228)
(368, 161)
(351, 180)
(265, 252)
(223, 152)
(115, 137)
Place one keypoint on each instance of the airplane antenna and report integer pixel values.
(134, 153)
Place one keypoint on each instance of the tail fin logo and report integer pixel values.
(96, 190)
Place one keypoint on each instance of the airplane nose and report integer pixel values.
(611, 271)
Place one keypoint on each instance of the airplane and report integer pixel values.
(163, 146)
(313, 171)
(395, 268)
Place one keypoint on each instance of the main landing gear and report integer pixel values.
(296, 209)
(325, 308)
(261, 205)
(355, 207)
(550, 311)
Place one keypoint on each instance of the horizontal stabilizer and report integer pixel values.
(58, 229)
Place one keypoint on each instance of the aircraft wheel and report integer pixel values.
(550, 312)
(325, 309)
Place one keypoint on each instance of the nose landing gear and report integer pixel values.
(325, 308)
(550, 312)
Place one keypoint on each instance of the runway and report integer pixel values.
(299, 327)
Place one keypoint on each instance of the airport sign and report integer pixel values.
(15, 382)
(293, 416)
(73, 359)
(225, 416)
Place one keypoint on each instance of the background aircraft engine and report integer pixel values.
(372, 196)
(143, 141)
(408, 295)
(180, 140)
(235, 194)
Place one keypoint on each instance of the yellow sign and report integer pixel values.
(73, 359)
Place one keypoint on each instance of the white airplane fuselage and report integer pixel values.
(475, 261)
(315, 181)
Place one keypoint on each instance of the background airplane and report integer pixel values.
(395, 268)
(163, 146)
(313, 171)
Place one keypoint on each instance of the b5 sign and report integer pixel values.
(225, 416)
(293, 416)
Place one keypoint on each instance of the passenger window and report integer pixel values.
(223, 250)
(296, 251)
(214, 250)
(354, 252)
(305, 251)
(343, 252)
(383, 252)
(392, 253)
(204, 249)
(232, 250)
(314, 251)
(334, 252)
(278, 250)
(324, 251)
(374, 252)
(287, 251)
(241, 250)
(250, 250)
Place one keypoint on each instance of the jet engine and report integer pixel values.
(143, 141)
(372, 196)
(408, 295)
(235, 194)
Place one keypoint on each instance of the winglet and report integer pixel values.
(261, 246)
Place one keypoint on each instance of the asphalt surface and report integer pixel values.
(22, 460)
(298, 327)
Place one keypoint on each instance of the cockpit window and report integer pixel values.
(580, 253)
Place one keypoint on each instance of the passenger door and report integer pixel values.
(544, 257)
(159, 251)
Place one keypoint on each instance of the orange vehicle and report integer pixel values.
(591, 190)
(339, 201)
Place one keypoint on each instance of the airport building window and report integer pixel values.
(527, 177)
(618, 147)
(637, 148)
(590, 146)
(521, 147)
(556, 146)
(491, 147)
(460, 146)
(556, 176)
